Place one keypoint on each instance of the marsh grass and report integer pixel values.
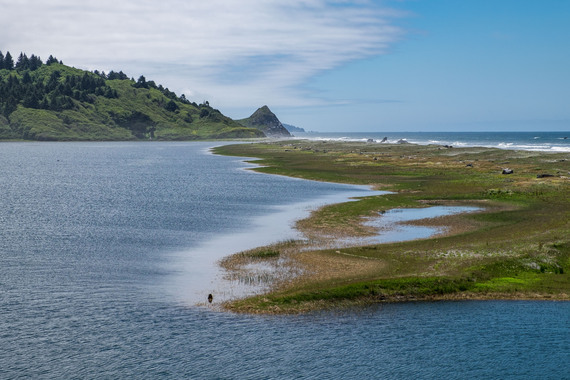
(264, 254)
(518, 247)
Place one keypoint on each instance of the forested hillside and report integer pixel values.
(52, 101)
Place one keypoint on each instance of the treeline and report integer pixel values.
(142, 83)
(57, 93)
(24, 63)
(21, 85)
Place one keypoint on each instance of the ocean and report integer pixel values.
(105, 249)
(533, 141)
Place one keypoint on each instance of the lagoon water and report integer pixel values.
(105, 248)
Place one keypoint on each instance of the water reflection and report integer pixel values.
(392, 227)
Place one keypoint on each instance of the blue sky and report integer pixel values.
(325, 65)
(462, 66)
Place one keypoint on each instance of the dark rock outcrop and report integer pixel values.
(266, 121)
(292, 128)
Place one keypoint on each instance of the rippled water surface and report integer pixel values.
(96, 239)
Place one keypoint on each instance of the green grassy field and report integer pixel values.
(518, 247)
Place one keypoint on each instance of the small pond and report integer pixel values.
(392, 225)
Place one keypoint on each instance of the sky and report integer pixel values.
(325, 65)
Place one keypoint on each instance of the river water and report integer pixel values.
(106, 246)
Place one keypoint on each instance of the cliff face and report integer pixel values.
(266, 121)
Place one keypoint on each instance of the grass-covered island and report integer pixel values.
(516, 247)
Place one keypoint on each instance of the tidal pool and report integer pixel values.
(392, 227)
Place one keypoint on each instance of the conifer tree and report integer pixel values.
(141, 82)
(171, 106)
(23, 62)
(8, 61)
(35, 62)
(51, 60)
(26, 79)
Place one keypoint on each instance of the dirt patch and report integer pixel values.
(330, 266)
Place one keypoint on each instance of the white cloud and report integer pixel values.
(241, 53)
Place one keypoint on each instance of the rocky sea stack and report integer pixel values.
(266, 121)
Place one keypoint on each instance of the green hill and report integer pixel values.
(56, 102)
